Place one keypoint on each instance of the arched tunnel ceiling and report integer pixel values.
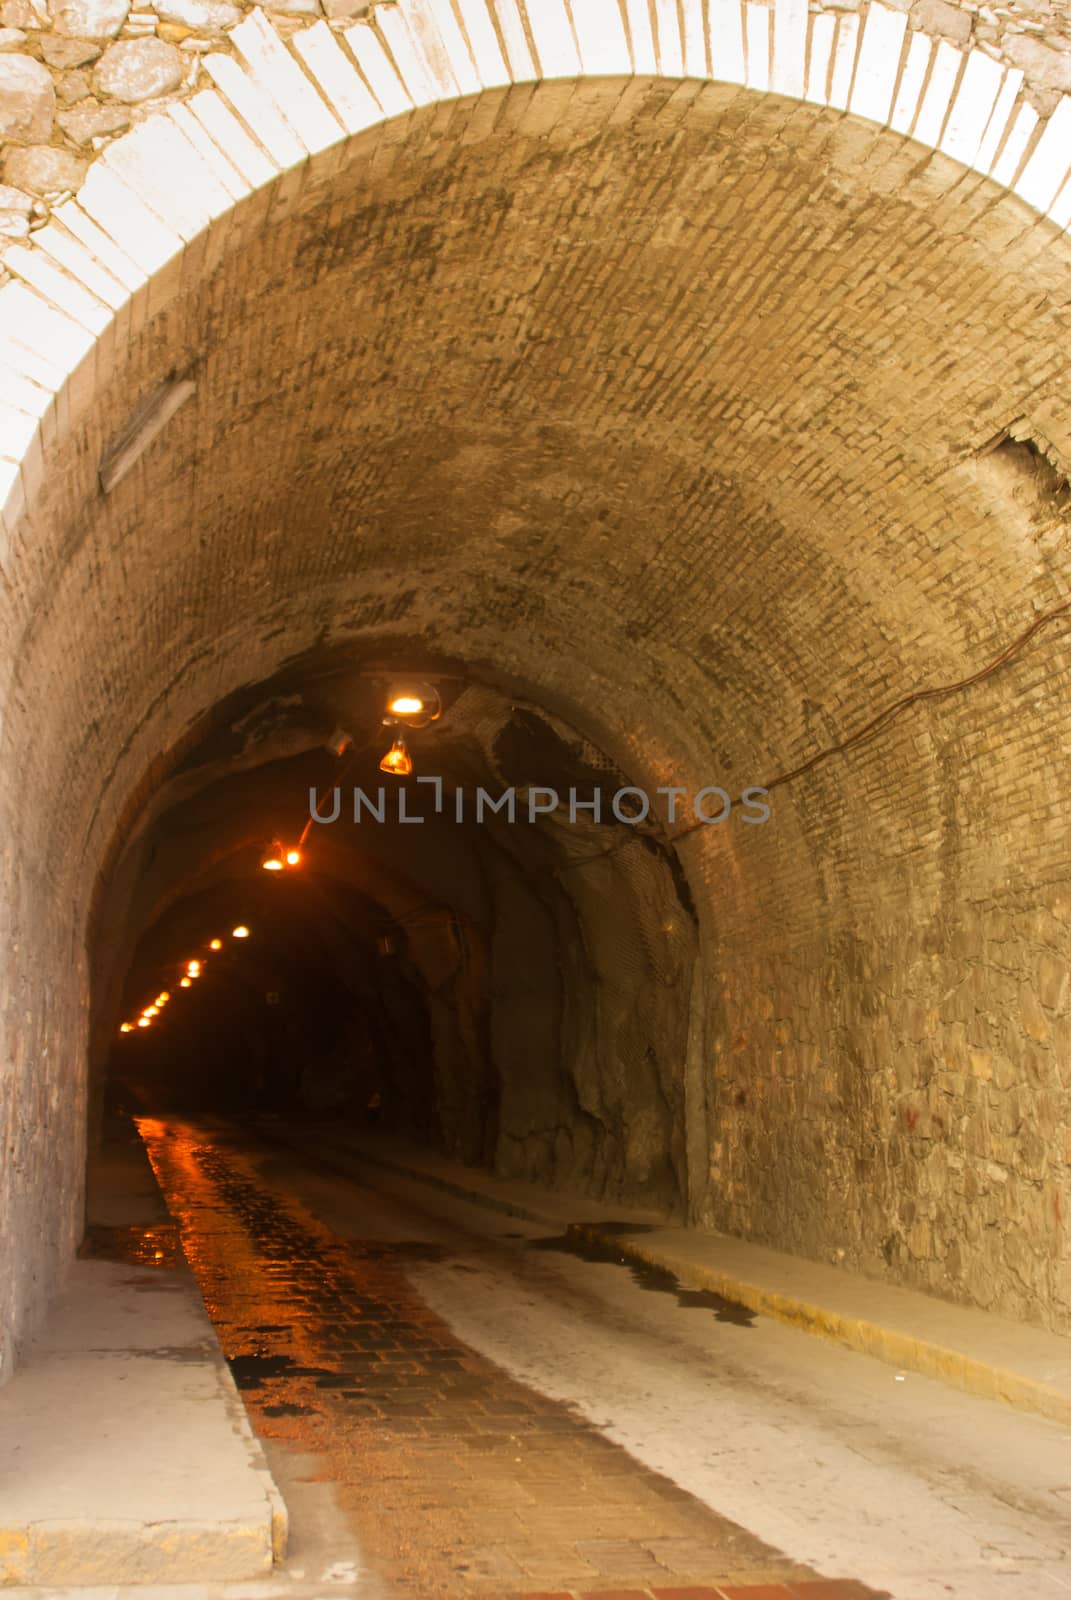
(596, 389)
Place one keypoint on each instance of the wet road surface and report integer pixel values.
(460, 1480)
(502, 1408)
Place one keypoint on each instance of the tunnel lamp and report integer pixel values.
(126, 1027)
(215, 944)
(415, 704)
(281, 858)
(162, 998)
(193, 968)
(150, 1011)
(240, 932)
(397, 760)
(144, 1022)
(184, 983)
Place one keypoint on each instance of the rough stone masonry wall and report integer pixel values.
(75, 75)
(744, 550)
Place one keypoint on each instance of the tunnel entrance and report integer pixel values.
(451, 959)
(657, 407)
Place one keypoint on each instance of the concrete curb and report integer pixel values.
(89, 1551)
(126, 1453)
(906, 1351)
(280, 1520)
(61, 1531)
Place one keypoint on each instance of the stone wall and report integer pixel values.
(711, 420)
(76, 75)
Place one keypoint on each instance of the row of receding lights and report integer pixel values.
(193, 970)
(413, 707)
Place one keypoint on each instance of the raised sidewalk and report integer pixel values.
(125, 1451)
(987, 1355)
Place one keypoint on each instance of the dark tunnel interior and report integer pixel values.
(476, 979)
(319, 1011)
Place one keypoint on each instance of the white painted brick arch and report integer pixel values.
(275, 102)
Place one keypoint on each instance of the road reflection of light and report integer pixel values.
(227, 1260)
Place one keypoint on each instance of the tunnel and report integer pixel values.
(457, 950)
(690, 439)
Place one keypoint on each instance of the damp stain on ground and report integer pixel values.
(596, 1242)
(157, 1245)
(253, 1371)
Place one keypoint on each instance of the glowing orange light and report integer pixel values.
(150, 1011)
(293, 858)
(406, 705)
(240, 932)
(184, 983)
(144, 1022)
(126, 1027)
(273, 864)
(193, 968)
(162, 998)
(216, 944)
(397, 760)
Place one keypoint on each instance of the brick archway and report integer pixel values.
(276, 102)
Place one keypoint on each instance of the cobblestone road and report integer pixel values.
(460, 1480)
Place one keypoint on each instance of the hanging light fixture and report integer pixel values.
(413, 703)
(215, 944)
(126, 1027)
(240, 932)
(280, 857)
(144, 1022)
(193, 968)
(397, 759)
(185, 983)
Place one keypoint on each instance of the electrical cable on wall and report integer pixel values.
(862, 735)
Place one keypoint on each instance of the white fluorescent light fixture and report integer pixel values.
(154, 413)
